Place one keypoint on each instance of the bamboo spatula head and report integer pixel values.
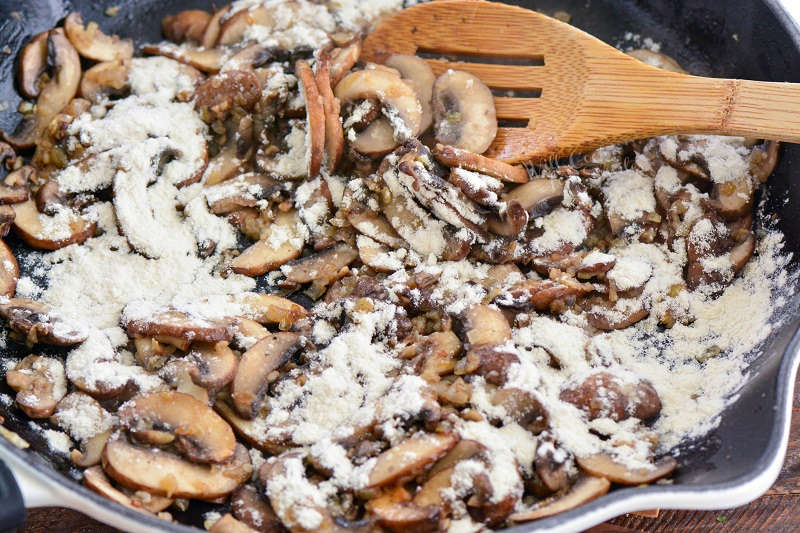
(558, 90)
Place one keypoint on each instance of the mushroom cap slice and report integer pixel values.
(174, 323)
(166, 474)
(54, 95)
(93, 44)
(214, 364)
(199, 432)
(452, 156)
(205, 59)
(586, 489)
(373, 225)
(604, 466)
(396, 96)
(323, 268)
(410, 457)
(32, 64)
(40, 384)
(108, 77)
(417, 73)
(334, 135)
(263, 256)
(91, 450)
(315, 116)
(376, 139)
(270, 309)
(228, 524)
(400, 515)
(211, 32)
(9, 271)
(232, 30)
(39, 323)
(96, 480)
(252, 431)
(50, 232)
(733, 199)
(256, 367)
(250, 507)
(482, 324)
(538, 196)
(188, 25)
(343, 59)
(463, 111)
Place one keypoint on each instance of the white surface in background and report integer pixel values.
(793, 7)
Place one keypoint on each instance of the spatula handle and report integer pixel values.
(763, 109)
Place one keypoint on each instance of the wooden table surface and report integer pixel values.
(777, 511)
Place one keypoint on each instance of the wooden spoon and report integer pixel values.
(572, 92)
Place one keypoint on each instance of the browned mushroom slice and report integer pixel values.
(214, 365)
(523, 408)
(604, 466)
(465, 449)
(480, 188)
(742, 252)
(245, 190)
(93, 44)
(219, 94)
(9, 271)
(373, 225)
(104, 79)
(174, 323)
(657, 59)
(763, 161)
(250, 507)
(247, 333)
(454, 157)
(252, 431)
(322, 268)
(91, 450)
(604, 395)
(205, 59)
(396, 513)
(315, 116)
(54, 95)
(410, 457)
(256, 370)
(540, 294)
(7, 216)
(511, 222)
(608, 316)
(198, 431)
(228, 524)
(49, 199)
(377, 256)
(732, 199)
(483, 324)
(538, 196)
(595, 263)
(551, 470)
(424, 233)
(270, 309)
(273, 249)
(211, 33)
(189, 25)
(32, 64)
(399, 101)
(166, 474)
(487, 360)
(50, 232)
(96, 480)
(343, 59)
(586, 489)
(463, 111)
(39, 323)
(224, 165)
(417, 73)
(334, 135)
(40, 384)
(232, 30)
(150, 353)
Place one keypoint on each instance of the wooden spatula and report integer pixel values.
(572, 92)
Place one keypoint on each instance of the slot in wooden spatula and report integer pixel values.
(570, 91)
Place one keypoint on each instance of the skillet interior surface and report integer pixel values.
(736, 38)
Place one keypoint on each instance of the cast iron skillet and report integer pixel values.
(751, 39)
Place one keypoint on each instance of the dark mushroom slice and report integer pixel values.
(233, 28)
(523, 408)
(742, 252)
(480, 188)
(732, 199)
(463, 111)
(50, 233)
(173, 323)
(189, 25)
(463, 450)
(96, 480)
(343, 59)
(416, 72)
(197, 430)
(208, 60)
(32, 64)
(250, 507)
(763, 161)
(511, 222)
(245, 190)
(657, 59)
(608, 316)
(54, 95)
(213, 365)
(263, 256)
(586, 489)
(228, 524)
(322, 268)
(49, 199)
(373, 225)
(9, 271)
(539, 196)
(604, 395)
(482, 324)
(221, 93)
(334, 135)
(410, 457)
(109, 78)
(315, 116)
(488, 360)
(93, 44)
(484, 508)
(252, 431)
(258, 368)
(270, 309)
(603, 465)
(454, 157)
(395, 512)
(165, 474)
(40, 384)
(7, 216)
(541, 294)
(39, 323)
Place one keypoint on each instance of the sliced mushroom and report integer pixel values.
(50, 232)
(211, 33)
(32, 64)
(334, 135)
(657, 59)
(228, 524)
(250, 507)
(604, 466)
(511, 223)
(417, 73)
(198, 431)
(9, 271)
(378, 256)
(487, 360)
(454, 157)
(96, 480)
(39, 323)
(396, 513)
(542, 294)
(410, 457)
(270, 309)
(7, 216)
(480, 188)
(483, 324)
(523, 408)
(178, 374)
(430, 492)
(465, 449)
(245, 190)
(252, 431)
(343, 59)
(173, 323)
(604, 395)
(91, 450)
(763, 161)
(586, 489)
(54, 95)
(150, 353)
(273, 249)
(166, 474)
(214, 365)
(232, 30)
(258, 368)
(224, 165)
(608, 316)
(248, 332)
(539, 196)
(104, 80)
(49, 199)
(315, 116)
(742, 252)
(204, 59)
(189, 25)
(322, 268)
(373, 225)
(732, 199)
(93, 44)
(40, 383)
(221, 93)
(463, 111)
